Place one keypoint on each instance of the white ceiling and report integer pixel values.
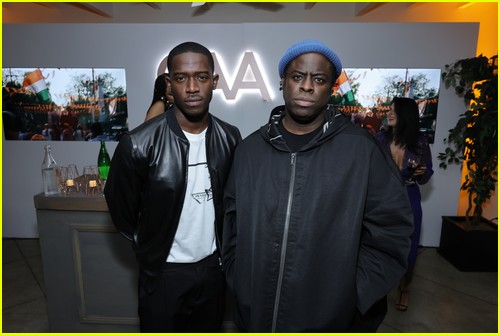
(236, 12)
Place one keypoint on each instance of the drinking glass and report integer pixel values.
(92, 181)
(63, 177)
(413, 164)
(74, 176)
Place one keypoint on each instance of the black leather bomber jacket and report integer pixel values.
(147, 182)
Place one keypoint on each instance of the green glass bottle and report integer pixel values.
(103, 161)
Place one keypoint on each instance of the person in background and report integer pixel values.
(80, 133)
(370, 129)
(38, 137)
(164, 192)
(11, 126)
(411, 153)
(26, 133)
(56, 130)
(96, 133)
(162, 97)
(47, 132)
(67, 133)
(317, 221)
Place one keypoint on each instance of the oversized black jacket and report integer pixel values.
(147, 182)
(314, 237)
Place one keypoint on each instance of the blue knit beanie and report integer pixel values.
(307, 46)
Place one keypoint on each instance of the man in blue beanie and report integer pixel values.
(317, 221)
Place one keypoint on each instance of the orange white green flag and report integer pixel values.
(35, 82)
(345, 87)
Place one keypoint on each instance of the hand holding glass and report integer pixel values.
(413, 164)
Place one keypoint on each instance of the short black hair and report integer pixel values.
(190, 47)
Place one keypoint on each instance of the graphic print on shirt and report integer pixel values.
(205, 196)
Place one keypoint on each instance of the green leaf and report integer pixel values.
(479, 122)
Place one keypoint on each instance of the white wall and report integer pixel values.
(138, 48)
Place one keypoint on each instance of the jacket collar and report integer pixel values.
(335, 122)
(176, 128)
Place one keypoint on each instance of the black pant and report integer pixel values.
(189, 297)
(371, 320)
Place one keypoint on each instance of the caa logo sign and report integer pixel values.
(248, 65)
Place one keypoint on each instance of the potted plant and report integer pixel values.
(470, 242)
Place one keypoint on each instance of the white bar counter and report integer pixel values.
(90, 271)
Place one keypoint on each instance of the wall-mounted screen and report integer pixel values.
(366, 94)
(64, 104)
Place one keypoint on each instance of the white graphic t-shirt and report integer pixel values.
(195, 236)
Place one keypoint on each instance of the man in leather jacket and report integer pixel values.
(164, 193)
(317, 222)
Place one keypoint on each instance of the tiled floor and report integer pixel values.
(23, 296)
(442, 299)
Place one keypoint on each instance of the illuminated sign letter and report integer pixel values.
(248, 62)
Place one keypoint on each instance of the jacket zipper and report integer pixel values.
(215, 181)
(214, 174)
(284, 241)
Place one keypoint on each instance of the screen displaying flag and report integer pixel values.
(34, 82)
(345, 87)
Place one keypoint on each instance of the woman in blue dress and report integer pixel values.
(411, 153)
